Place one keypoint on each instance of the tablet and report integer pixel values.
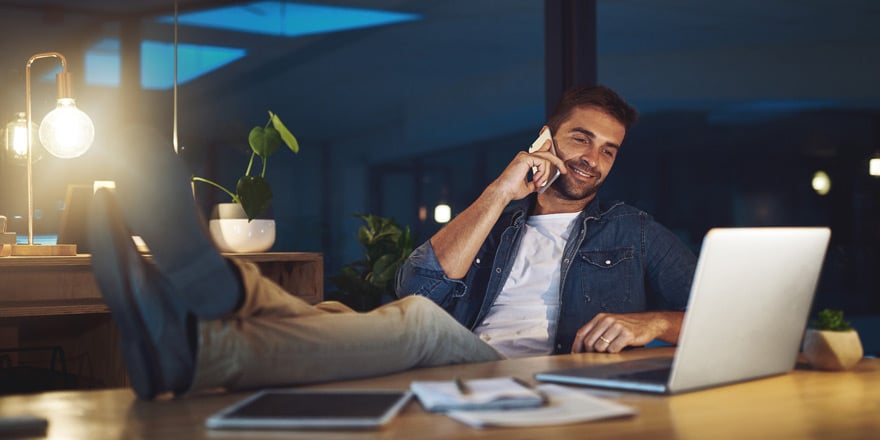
(313, 409)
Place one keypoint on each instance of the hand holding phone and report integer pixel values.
(537, 145)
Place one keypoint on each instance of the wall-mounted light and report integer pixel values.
(874, 165)
(65, 132)
(821, 183)
(442, 213)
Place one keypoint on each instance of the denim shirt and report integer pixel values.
(617, 260)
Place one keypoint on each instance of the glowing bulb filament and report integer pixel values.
(67, 132)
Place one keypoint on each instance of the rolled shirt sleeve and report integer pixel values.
(421, 274)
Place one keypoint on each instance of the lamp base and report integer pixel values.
(44, 250)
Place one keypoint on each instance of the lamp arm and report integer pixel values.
(63, 77)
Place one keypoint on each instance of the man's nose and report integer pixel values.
(590, 156)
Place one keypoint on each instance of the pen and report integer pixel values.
(462, 387)
(544, 398)
(522, 382)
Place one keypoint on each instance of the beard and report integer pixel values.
(568, 188)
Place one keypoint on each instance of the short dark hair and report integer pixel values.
(600, 97)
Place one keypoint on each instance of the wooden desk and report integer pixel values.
(54, 301)
(804, 404)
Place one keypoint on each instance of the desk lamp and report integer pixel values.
(65, 132)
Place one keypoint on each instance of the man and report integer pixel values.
(558, 271)
(194, 320)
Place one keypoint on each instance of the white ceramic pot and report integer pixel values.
(830, 350)
(232, 232)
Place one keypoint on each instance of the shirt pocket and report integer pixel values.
(606, 278)
(607, 259)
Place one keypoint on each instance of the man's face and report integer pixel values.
(588, 143)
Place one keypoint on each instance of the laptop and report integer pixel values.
(72, 227)
(749, 303)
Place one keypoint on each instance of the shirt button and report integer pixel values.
(566, 261)
(559, 346)
(497, 270)
(478, 261)
(608, 262)
(587, 298)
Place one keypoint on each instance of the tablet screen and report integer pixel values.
(312, 409)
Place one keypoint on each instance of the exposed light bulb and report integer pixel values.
(67, 132)
(16, 141)
(19, 140)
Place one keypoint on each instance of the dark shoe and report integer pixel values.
(156, 198)
(156, 344)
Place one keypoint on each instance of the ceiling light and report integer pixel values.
(289, 19)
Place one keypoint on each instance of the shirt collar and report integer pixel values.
(595, 210)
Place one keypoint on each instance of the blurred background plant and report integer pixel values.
(366, 284)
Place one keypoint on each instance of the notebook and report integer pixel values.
(748, 308)
(476, 394)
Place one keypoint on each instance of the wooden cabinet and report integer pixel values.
(54, 302)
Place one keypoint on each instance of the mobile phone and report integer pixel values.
(537, 145)
(22, 426)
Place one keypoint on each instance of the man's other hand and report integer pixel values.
(612, 332)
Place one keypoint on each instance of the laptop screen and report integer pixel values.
(74, 217)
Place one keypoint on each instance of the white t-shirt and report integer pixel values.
(522, 321)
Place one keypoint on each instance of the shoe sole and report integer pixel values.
(113, 254)
(159, 182)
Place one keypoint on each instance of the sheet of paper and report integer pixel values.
(565, 406)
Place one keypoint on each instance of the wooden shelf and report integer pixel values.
(51, 308)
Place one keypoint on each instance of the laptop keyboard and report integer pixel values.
(659, 375)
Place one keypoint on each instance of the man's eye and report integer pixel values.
(580, 140)
(608, 153)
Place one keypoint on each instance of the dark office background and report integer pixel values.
(741, 104)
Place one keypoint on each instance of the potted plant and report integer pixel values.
(235, 226)
(366, 284)
(831, 343)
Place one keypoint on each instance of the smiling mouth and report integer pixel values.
(586, 174)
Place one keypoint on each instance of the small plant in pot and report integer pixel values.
(831, 343)
(244, 232)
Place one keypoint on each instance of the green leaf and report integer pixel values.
(264, 141)
(288, 137)
(255, 195)
(385, 269)
(364, 235)
(405, 244)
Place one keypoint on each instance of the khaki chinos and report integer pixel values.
(277, 339)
